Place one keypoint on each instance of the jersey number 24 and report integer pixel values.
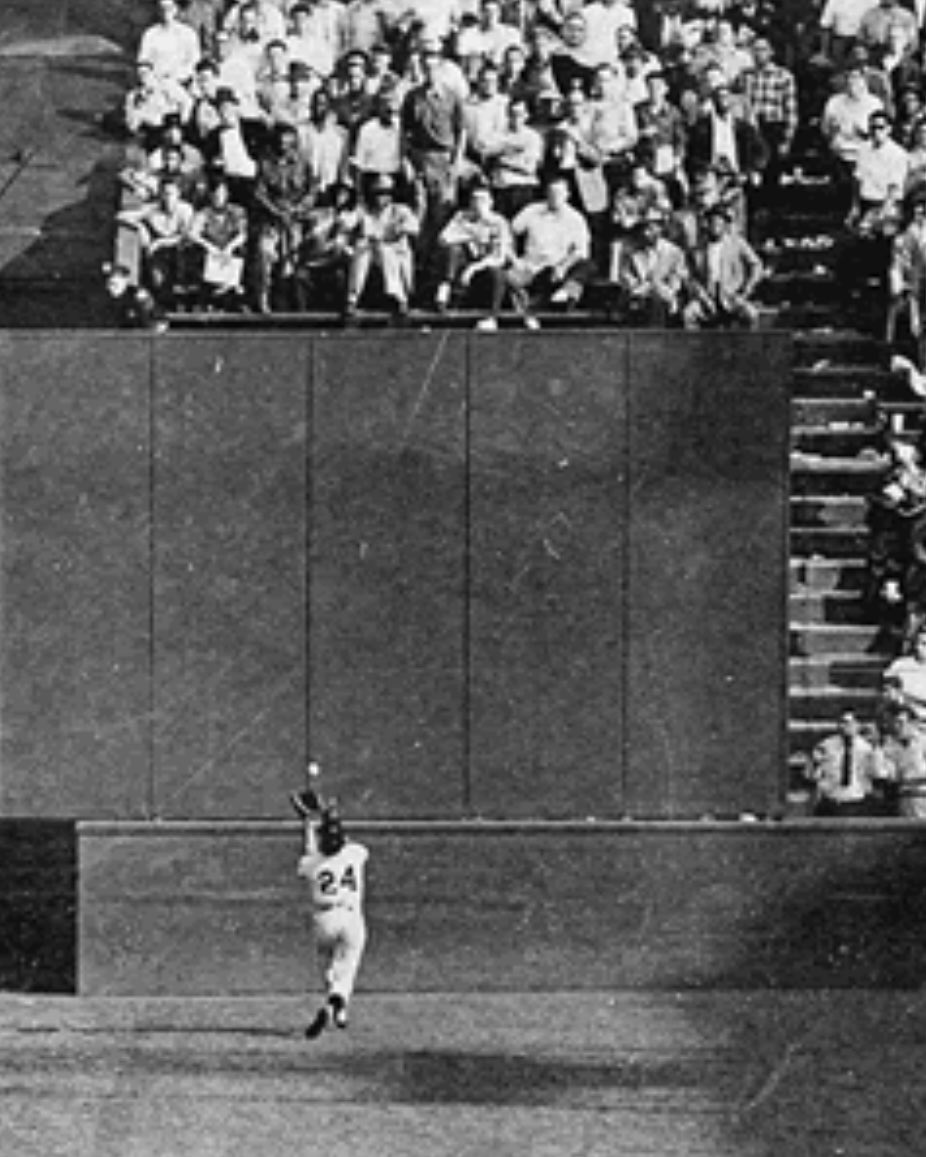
(328, 883)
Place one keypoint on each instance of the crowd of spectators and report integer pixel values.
(462, 154)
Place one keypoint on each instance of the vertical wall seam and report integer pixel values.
(150, 801)
(467, 642)
(309, 379)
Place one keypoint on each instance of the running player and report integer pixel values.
(334, 867)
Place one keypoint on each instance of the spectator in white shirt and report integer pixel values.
(845, 125)
(839, 26)
(378, 147)
(489, 39)
(171, 47)
(514, 164)
(554, 264)
(485, 116)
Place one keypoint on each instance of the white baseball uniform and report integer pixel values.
(337, 885)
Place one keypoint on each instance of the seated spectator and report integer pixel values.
(634, 198)
(876, 81)
(513, 166)
(724, 274)
(896, 519)
(171, 47)
(321, 275)
(164, 232)
(539, 81)
(365, 26)
(845, 126)
(237, 73)
(203, 17)
(897, 63)
(220, 231)
(477, 247)
(134, 305)
(905, 678)
(603, 21)
(304, 46)
(150, 102)
(487, 41)
(910, 112)
(282, 198)
(648, 274)
(574, 59)
(901, 761)
(256, 22)
(381, 241)
(845, 770)
(839, 29)
(172, 138)
(554, 263)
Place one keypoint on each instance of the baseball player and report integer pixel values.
(334, 867)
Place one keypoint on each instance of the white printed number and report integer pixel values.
(329, 884)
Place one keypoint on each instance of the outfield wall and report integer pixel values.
(515, 575)
(200, 910)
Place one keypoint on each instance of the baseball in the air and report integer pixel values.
(313, 769)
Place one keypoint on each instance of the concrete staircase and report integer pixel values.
(842, 392)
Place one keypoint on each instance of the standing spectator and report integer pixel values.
(382, 240)
(572, 152)
(485, 117)
(204, 114)
(323, 143)
(874, 29)
(839, 27)
(844, 769)
(273, 81)
(257, 21)
(282, 199)
(514, 164)
(603, 19)
(662, 136)
(434, 140)
(378, 147)
(649, 275)
(725, 272)
(575, 59)
(365, 24)
(613, 129)
(771, 93)
(476, 245)
(554, 263)
(227, 148)
(354, 102)
(237, 71)
(907, 276)
(170, 46)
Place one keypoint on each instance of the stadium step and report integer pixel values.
(836, 437)
(827, 703)
(847, 672)
(832, 511)
(843, 639)
(827, 575)
(818, 474)
(807, 607)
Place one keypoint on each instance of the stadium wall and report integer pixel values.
(519, 576)
(525, 578)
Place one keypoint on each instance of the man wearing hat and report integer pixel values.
(382, 240)
(724, 273)
(648, 273)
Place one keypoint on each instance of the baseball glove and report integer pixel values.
(305, 803)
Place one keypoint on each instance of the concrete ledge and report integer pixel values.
(199, 909)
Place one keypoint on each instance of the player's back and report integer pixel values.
(336, 881)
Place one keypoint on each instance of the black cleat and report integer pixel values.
(318, 1025)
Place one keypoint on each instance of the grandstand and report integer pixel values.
(65, 72)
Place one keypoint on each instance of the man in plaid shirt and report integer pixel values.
(771, 95)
